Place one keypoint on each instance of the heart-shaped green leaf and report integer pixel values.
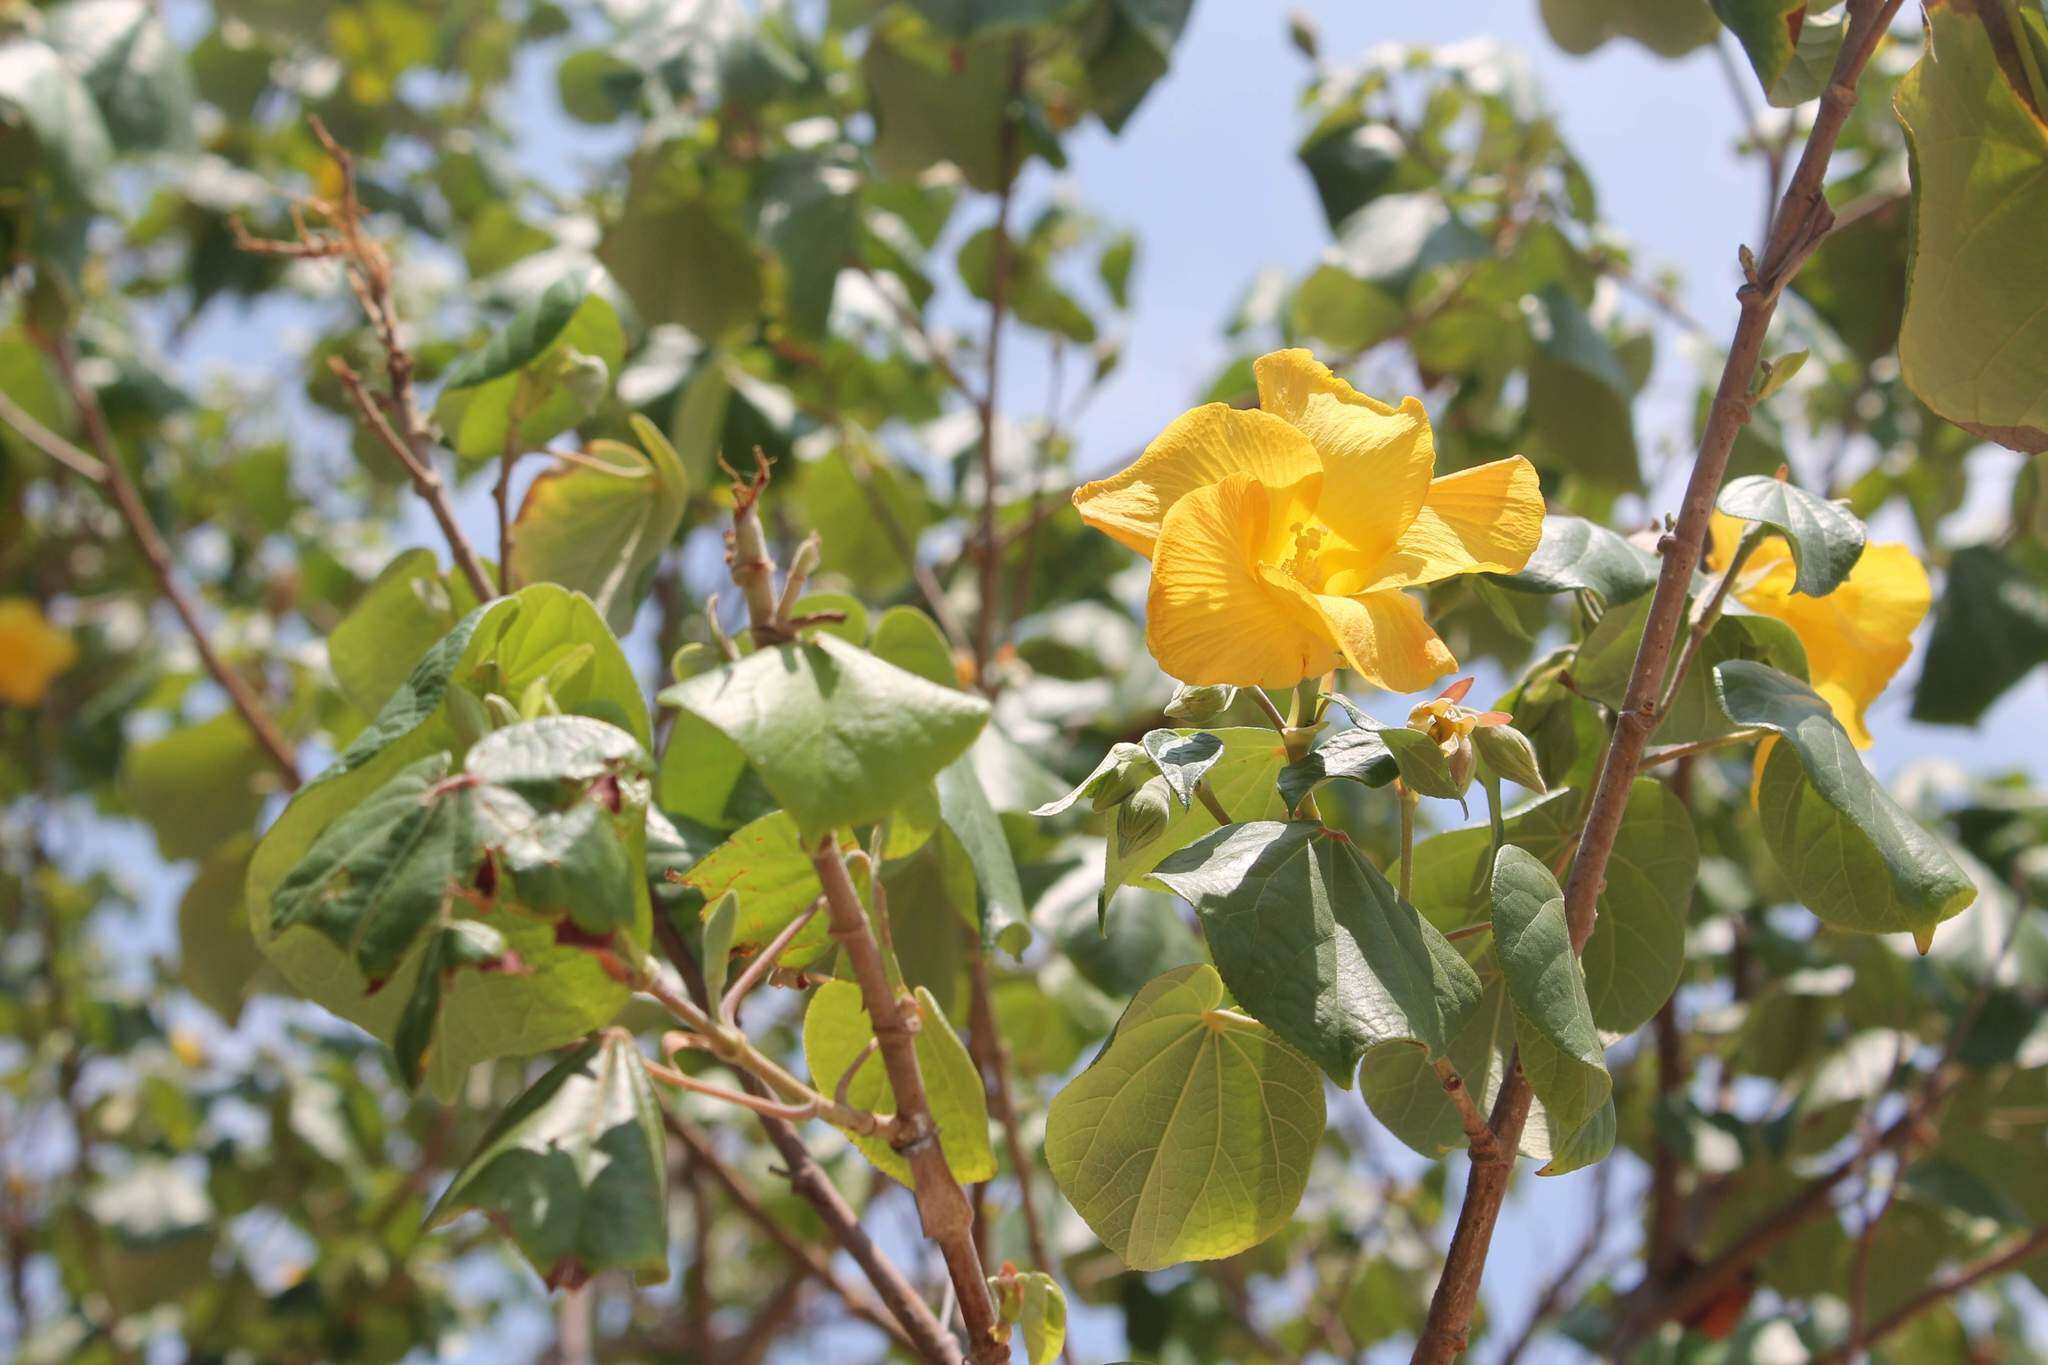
(1189, 1137)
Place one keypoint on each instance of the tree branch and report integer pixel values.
(114, 478)
(808, 1179)
(799, 1252)
(942, 1205)
(394, 418)
(1802, 220)
(2011, 1258)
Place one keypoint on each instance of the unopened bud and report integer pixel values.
(1142, 818)
(1506, 753)
(1194, 705)
(1458, 757)
(692, 658)
(1123, 771)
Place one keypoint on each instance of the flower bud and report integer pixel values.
(1194, 705)
(1506, 753)
(1142, 818)
(1458, 757)
(1124, 770)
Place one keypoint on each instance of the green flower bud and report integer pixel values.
(692, 658)
(1126, 768)
(1195, 705)
(1142, 818)
(1506, 753)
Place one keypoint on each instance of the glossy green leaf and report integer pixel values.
(1182, 757)
(534, 379)
(407, 607)
(1314, 942)
(837, 1031)
(1974, 343)
(1003, 914)
(1560, 1048)
(1358, 755)
(540, 633)
(1579, 555)
(127, 58)
(576, 1170)
(598, 524)
(911, 640)
(1189, 1137)
(767, 867)
(1636, 954)
(1791, 47)
(838, 736)
(48, 98)
(1853, 855)
(1825, 537)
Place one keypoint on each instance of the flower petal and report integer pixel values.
(1857, 636)
(1288, 379)
(1213, 615)
(1382, 636)
(1377, 458)
(1481, 520)
(1198, 449)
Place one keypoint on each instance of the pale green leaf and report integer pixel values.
(1189, 1137)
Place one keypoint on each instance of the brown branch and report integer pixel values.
(1477, 1134)
(942, 1205)
(501, 496)
(394, 418)
(800, 1253)
(157, 553)
(985, 1038)
(1802, 220)
(1998, 1263)
(1007, 157)
(809, 1181)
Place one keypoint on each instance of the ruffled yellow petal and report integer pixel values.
(1377, 459)
(1481, 520)
(1382, 636)
(1288, 379)
(1857, 636)
(1197, 450)
(1214, 616)
(32, 652)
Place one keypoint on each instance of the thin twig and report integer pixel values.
(764, 962)
(799, 1251)
(1478, 1136)
(2015, 1255)
(501, 496)
(157, 553)
(985, 1036)
(49, 442)
(395, 418)
(1007, 159)
(1800, 224)
(808, 1179)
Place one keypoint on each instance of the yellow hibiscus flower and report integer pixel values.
(32, 652)
(1856, 637)
(1281, 538)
